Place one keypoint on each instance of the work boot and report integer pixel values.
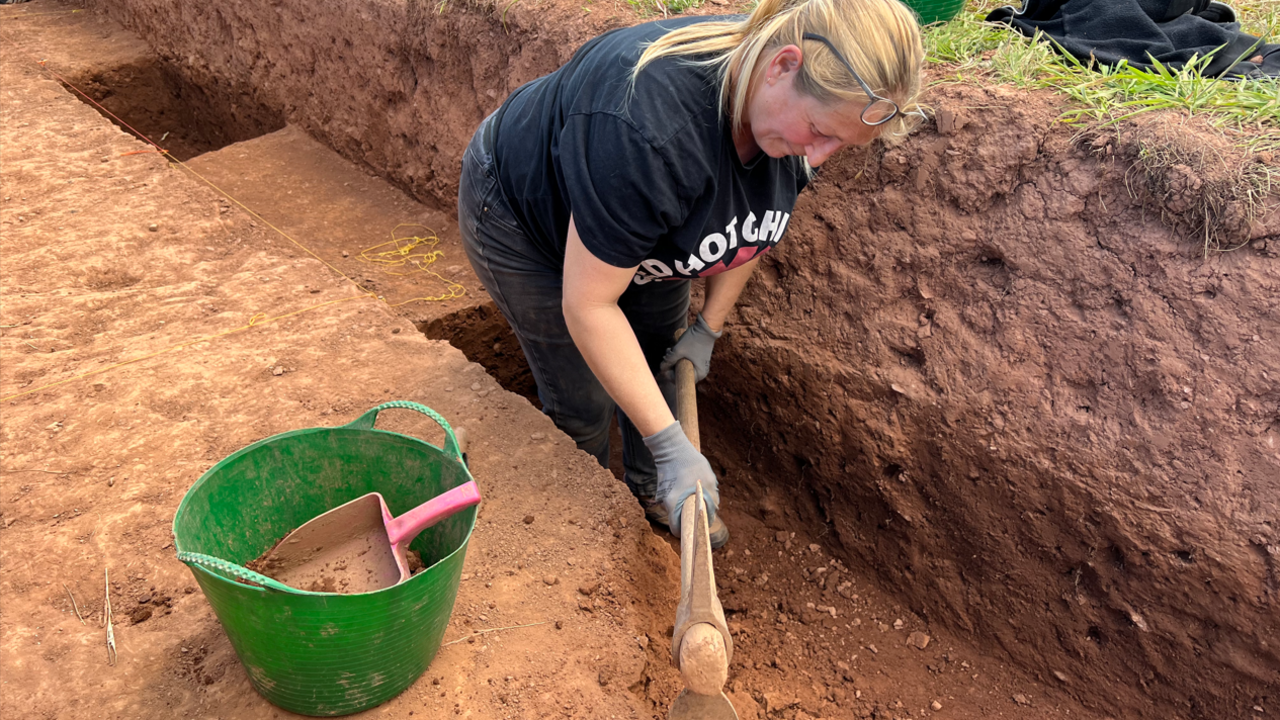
(656, 512)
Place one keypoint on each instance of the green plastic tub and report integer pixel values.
(323, 653)
(933, 11)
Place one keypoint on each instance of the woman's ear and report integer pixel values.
(785, 61)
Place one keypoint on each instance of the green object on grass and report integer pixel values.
(320, 653)
(932, 11)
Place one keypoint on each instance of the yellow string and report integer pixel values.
(258, 320)
(456, 290)
(411, 251)
(404, 253)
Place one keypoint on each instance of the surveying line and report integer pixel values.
(258, 320)
(454, 287)
(456, 290)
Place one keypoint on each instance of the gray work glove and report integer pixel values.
(680, 467)
(695, 344)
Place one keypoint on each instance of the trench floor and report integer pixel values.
(559, 541)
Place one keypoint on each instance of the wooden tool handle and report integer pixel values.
(687, 399)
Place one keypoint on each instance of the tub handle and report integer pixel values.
(451, 447)
(242, 573)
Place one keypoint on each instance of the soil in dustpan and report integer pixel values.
(339, 575)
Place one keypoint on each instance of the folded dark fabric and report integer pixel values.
(1170, 31)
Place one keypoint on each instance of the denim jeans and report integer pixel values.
(527, 286)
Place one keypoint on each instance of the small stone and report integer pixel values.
(589, 588)
(144, 599)
(873, 649)
(466, 577)
(775, 702)
(528, 519)
(153, 227)
(643, 641)
(781, 536)
(1062, 677)
(395, 331)
(918, 640)
(815, 547)
(551, 580)
(1022, 699)
(104, 159)
(538, 436)
(559, 624)
(1258, 245)
(346, 254)
(277, 370)
(936, 705)
(476, 386)
(897, 624)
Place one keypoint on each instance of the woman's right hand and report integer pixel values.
(680, 466)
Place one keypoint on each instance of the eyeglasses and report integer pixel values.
(881, 109)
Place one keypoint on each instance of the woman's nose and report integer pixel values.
(818, 152)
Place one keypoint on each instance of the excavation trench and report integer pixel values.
(990, 377)
(184, 116)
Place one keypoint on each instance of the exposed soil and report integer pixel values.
(993, 433)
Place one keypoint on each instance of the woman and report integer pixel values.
(661, 153)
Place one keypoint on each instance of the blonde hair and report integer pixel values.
(879, 38)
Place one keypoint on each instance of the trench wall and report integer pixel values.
(997, 374)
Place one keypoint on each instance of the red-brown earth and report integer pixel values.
(991, 386)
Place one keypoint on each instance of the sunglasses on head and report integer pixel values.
(881, 109)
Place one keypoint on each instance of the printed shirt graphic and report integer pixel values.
(650, 174)
(739, 242)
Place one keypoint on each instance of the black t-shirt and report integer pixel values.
(651, 177)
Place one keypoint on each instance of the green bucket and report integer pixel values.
(323, 653)
(932, 11)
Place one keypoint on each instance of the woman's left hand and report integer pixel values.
(695, 345)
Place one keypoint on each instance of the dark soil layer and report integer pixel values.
(993, 364)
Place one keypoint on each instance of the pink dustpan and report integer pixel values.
(359, 547)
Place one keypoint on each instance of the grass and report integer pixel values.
(976, 50)
(647, 8)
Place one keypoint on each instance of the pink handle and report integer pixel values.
(407, 526)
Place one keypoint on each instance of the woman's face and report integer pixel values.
(783, 121)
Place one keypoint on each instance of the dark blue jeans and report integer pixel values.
(527, 286)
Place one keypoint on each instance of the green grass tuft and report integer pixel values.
(975, 50)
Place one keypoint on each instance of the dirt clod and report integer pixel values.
(918, 640)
